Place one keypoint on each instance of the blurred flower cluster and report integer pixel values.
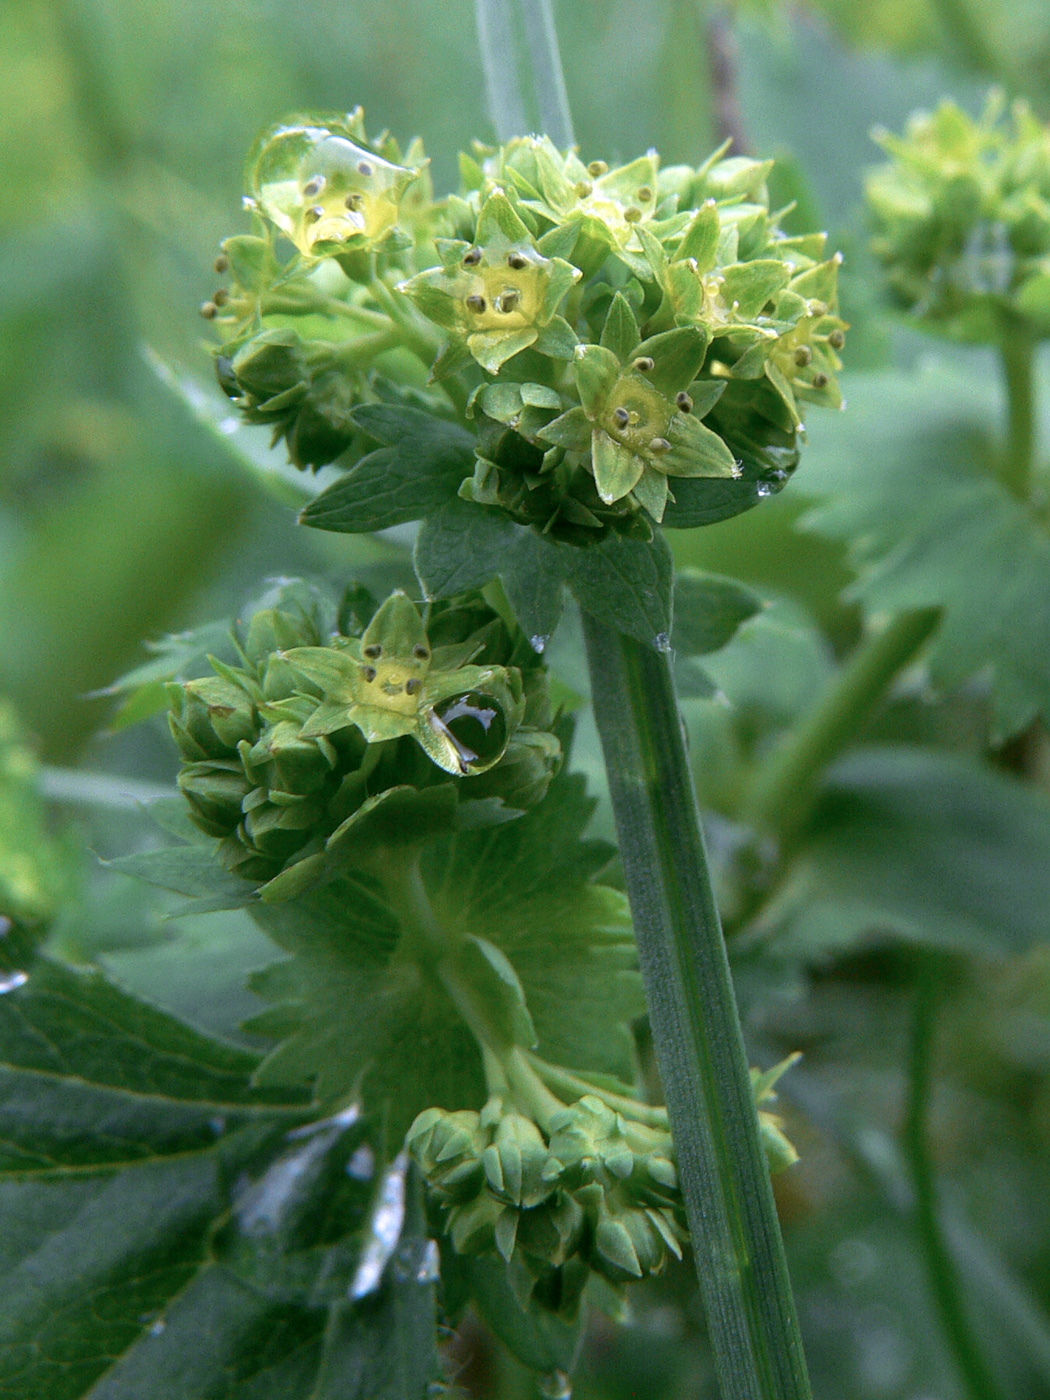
(962, 218)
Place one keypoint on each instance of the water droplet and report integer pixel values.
(217, 1125)
(662, 642)
(476, 727)
(362, 1165)
(554, 1385)
(158, 1327)
(5, 926)
(11, 981)
(538, 643)
(764, 488)
(384, 1231)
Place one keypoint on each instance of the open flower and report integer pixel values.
(325, 189)
(599, 211)
(499, 295)
(391, 683)
(640, 411)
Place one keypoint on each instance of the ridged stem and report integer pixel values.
(696, 1028)
(785, 788)
(1018, 357)
(940, 1266)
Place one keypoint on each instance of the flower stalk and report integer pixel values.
(786, 787)
(696, 1029)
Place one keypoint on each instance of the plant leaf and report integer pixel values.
(922, 846)
(464, 546)
(361, 1016)
(626, 583)
(708, 609)
(908, 481)
(419, 469)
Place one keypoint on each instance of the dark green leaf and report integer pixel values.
(540, 1340)
(627, 584)
(114, 1120)
(382, 1347)
(922, 846)
(89, 1075)
(464, 546)
(419, 469)
(708, 609)
(217, 1338)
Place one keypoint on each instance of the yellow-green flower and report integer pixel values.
(498, 294)
(391, 683)
(324, 189)
(640, 411)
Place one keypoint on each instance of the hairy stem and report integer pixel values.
(1018, 357)
(696, 1029)
(785, 787)
(940, 1266)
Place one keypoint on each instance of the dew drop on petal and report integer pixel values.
(538, 643)
(11, 981)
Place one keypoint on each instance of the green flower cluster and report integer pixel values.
(594, 1189)
(608, 333)
(317, 746)
(962, 219)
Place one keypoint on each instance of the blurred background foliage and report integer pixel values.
(131, 507)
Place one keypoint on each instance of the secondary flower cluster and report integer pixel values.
(962, 219)
(608, 332)
(595, 1189)
(317, 745)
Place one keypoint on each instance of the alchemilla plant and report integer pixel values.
(487, 1078)
(543, 368)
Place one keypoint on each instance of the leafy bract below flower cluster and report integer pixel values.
(962, 218)
(321, 744)
(611, 334)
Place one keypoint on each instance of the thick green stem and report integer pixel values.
(940, 1266)
(785, 788)
(696, 1028)
(1018, 355)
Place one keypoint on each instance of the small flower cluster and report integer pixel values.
(594, 1190)
(962, 220)
(293, 757)
(608, 332)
